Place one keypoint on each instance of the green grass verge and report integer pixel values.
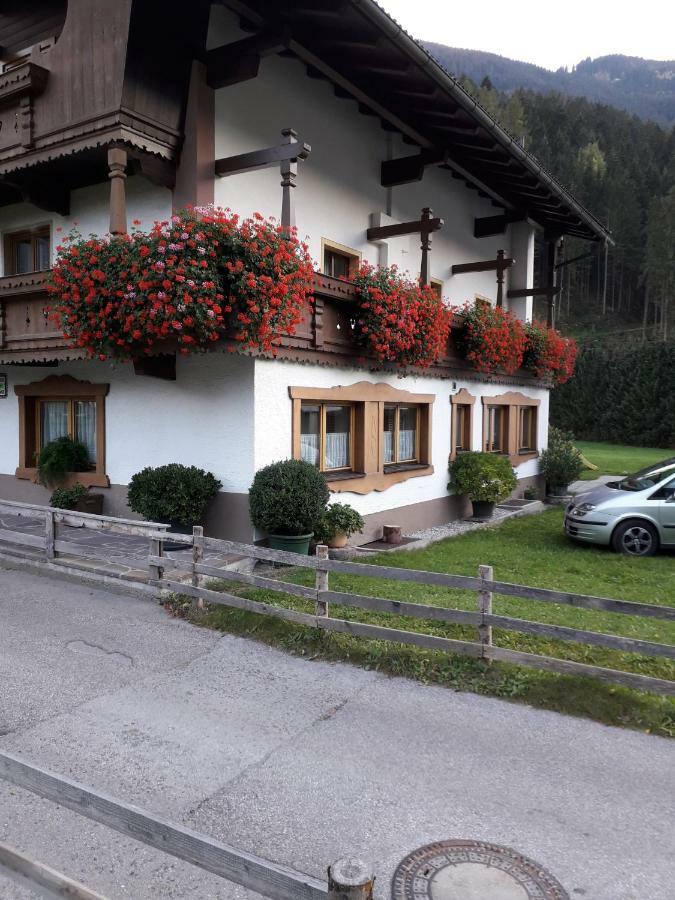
(617, 459)
(530, 550)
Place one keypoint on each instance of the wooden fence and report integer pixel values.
(348, 879)
(483, 619)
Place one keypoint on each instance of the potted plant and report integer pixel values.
(77, 498)
(173, 493)
(59, 458)
(486, 478)
(287, 500)
(338, 522)
(561, 463)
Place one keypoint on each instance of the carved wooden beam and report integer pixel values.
(424, 226)
(533, 292)
(407, 169)
(498, 265)
(261, 159)
(487, 226)
(240, 60)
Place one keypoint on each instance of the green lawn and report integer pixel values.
(617, 459)
(530, 550)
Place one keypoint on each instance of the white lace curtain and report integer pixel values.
(309, 448)
(85, 425)
(54, 422)
(337, 450)
(406, 444)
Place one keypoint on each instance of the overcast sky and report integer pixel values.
(547, 34)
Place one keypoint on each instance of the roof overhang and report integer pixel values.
(357, 46)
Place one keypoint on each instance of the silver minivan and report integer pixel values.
(635, 515)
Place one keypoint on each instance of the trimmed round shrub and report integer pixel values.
(487, 477)
(68, 498)
(172, 493)
(288, 497)
(60, 457)
(561, 463)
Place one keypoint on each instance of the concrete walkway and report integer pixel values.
(301, 761)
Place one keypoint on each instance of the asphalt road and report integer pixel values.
(301, 762)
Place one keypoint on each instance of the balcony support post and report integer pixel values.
(117, 164)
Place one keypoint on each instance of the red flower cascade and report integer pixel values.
(191, 280)
(399, 321)
(491, 338)
(548, 354)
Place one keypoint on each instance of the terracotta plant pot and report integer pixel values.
(482, 509)
(338, 540)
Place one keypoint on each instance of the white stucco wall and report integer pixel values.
(90, 211)
(338, 186)
(204, 418)
(273, 423)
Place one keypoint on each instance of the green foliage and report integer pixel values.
(67, 498)
(338, 518)
(172, 493)
(622, 396)
(561, 463)
(288, 497)
(483, 476)
(60, 457)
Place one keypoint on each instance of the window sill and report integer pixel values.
(88, 479)
(343, 476)
(404, 467)
(366, 483)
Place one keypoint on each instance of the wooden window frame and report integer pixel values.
(323, 404)
(66, 388)
(531, 445)
(464, 399)
(512, 402)
(414, 461)
(437, 285)
(368, 399)
(355, 256)
(12, 238)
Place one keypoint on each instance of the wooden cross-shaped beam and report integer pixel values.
(424, 226)
(287, 153)
(498, 265)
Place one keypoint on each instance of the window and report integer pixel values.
(401, 431)
(339, 261)
(510, 425)
(66, 418)
(27, 251)
(326, 435)
(437, 287)
(62, 406)
(497, 429)
(365, 437)
(462, 427)
(527, 429)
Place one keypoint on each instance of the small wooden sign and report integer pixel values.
(3, 386)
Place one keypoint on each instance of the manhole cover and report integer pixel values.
(472, 870)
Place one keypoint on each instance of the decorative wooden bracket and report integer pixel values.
(18, 87)
(498, 265)
(409, 168)
(240, 60)
(287, 153)
(161, 366)
(488, 226)
(424, 226)
(117, 164)
(533, 292)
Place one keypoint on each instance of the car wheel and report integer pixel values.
(636, 538)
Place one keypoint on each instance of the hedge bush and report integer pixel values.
(622, 396)
(172, 493)
(288, 497)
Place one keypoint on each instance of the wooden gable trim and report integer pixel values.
(359, 392)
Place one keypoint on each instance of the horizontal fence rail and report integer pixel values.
(249, 871)
(160, 567)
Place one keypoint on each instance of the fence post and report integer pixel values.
(485, 573)
(350, 879)
(154, 571)
(197, 557)
(49, 534)
(321, 580)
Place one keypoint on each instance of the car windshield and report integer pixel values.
(649, 476)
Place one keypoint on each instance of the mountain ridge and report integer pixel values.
(642, 87)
